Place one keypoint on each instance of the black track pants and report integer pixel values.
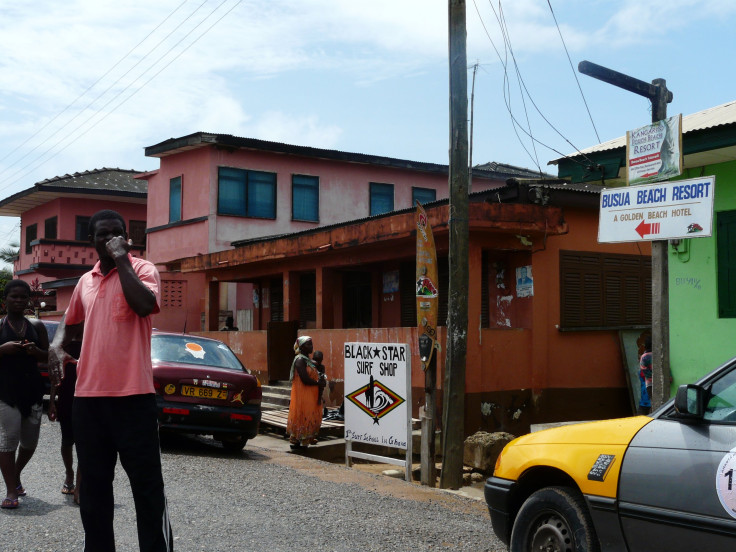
(105, 427)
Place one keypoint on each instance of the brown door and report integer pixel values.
(280, 338)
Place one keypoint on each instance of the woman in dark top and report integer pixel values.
(23, 343)
(61, 400)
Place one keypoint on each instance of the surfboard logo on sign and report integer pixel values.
(375, 399)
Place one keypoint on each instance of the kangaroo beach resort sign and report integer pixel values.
(654, 152)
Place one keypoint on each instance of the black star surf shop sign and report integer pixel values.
(377, 387)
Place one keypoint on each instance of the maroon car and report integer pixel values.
(202, 388)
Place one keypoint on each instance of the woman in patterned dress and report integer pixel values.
(305, 410)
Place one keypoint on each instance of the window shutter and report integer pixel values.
(599, 290)
(726, 244)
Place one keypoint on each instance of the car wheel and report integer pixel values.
(234, 444)
(554, 519)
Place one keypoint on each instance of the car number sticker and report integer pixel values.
(600, 469)
(726, 482)
(195, 350)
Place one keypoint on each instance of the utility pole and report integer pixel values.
(472, 111)
(453, 412)
(660, 96)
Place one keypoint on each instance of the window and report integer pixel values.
(305, 198)
(721, 399)
(382, 198)
(49, 228)
(726, 242)
(137, 232)
(81, 229)
(175, 199)
(31, 234)
(604, 290)
(422, 195)
(246, 193)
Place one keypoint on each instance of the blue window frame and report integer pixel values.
(382, 198)
(305, 198)
(422, 195)
(246, 193)
(175, 199)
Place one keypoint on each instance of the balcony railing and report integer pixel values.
(62, 253)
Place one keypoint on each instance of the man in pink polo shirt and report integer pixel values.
(114, 409)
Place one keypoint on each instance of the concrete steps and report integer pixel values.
(276, 396)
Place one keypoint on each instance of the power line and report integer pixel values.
(508, 107)
(136, 90)
(573, 71)
(84, 93)
(102, 94)
(507, 38)
(504, 86)
(116, 96)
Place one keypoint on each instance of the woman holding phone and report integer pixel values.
(23, 343)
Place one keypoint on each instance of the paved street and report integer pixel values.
(264, 499)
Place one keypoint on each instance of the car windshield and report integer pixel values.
(188, 349)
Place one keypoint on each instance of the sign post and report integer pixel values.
(378, 400)
(659, 96)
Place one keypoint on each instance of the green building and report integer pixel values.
(702, 271)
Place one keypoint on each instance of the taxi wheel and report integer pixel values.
(234, 444)
(554, 519)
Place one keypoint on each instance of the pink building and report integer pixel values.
(213, 189)
(54, 247)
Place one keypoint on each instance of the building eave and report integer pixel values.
(508, 219)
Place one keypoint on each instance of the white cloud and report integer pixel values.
(294, 129)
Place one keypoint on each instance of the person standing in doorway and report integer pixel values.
(229, 325)
(645, 377)
(114, 412)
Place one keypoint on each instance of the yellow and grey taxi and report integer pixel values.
(659, 482)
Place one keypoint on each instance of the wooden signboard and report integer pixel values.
(426, 287)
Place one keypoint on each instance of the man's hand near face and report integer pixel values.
(117, 247)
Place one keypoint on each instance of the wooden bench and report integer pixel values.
(277, 419)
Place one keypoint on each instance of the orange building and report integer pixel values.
(546, 302)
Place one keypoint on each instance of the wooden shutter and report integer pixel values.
(726, 246)
(600, 290)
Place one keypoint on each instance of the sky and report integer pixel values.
(87, 84)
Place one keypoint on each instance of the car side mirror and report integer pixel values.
(690, 401)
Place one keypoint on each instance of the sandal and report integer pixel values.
(67, 489)
(20, 490)
(9, 503)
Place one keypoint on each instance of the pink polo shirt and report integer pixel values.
(116, 348)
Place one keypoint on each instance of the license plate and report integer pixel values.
(203, 392)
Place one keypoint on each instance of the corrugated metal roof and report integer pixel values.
(113, 179)
(120, 183)
(498, 171)
(511, 170)
(492, 195)
(720, 115)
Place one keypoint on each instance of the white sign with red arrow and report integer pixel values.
(662, 211)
